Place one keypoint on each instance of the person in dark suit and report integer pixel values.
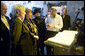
(66, 20)
(40, 22)
(5, 31)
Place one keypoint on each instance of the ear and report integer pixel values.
(18, 11)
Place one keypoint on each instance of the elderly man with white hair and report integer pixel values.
(53, 24)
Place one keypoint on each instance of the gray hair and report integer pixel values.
(15, 8)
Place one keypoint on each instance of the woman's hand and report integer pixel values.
(36, 37)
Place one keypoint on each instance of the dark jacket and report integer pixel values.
(5, 35)
(66, 22)
(40, 22)
(32, 26)
(22, 38)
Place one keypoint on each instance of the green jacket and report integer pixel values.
(17, 30)
(22, 37)
(31, 25)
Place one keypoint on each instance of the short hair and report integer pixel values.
(2, 5)
(28, 10)
(18, 7)
(53, 8)
(64, 9)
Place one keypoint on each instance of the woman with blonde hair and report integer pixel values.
(21, 35)
(32, 28)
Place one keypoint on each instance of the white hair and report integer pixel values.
(14, 9)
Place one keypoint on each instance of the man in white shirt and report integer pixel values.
(53, 24)
(54, 21)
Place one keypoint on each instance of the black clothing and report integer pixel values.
(32, 29)
(66, 22)
(5, 38)
(40, 22)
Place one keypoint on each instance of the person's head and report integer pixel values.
(3, 9)
(37, 14)
(64, 11)
(53, 11)
(48, 12)
(78, 22)
(28, 13)
(19, 11)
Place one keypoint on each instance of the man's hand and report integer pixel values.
(50, 25)
(36, 37)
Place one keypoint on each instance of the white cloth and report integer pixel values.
(57, 22)
(65, 38)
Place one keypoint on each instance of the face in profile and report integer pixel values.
(29, 15)
(23, 13)
(3, 9)
(64, 11)
(53, 12)
(38, 14)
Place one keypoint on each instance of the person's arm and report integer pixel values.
(60, 23)
(46, 20)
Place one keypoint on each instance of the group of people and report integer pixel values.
(27, 34)
(55, 23)
(24, 35)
